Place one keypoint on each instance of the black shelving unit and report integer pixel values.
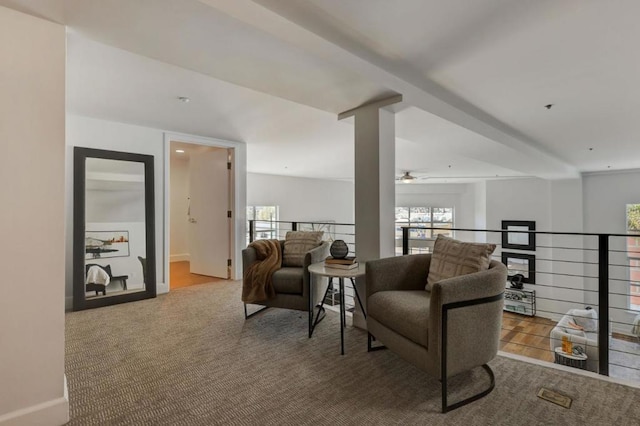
(520, 301)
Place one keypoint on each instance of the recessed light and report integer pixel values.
(183, 99)
(180, 151)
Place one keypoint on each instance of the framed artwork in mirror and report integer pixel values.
(520, 263)
(113, 228)
(101, 244)
(516, 235)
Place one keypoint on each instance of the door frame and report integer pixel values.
(238, 189)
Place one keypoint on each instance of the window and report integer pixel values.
(633, 253)
(266, 222)
(423, 217)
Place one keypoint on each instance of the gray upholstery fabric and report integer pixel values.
(286, 298)
(405, 312)
(288, 280)
(408, 350)
(473, 332)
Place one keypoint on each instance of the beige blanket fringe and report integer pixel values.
(257, 284)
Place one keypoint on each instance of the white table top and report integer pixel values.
(324, 271)
(559, 351)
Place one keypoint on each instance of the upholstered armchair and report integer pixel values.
(293, 285)
(450, 329)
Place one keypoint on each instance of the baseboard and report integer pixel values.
(162, 288)
(180, 257)
(53, 412)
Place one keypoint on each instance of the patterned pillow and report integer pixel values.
(297, 244)
(452, 258)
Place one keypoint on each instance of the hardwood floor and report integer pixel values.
(181, 276)
(528, 336)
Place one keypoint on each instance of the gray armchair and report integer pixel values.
(453, 328)
(293, 284)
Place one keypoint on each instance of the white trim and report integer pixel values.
(240, 197)
(52, 412)
(609, 172)
(568, 369)
(181, 257)
(162, 288)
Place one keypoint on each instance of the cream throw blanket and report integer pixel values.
(97, 275)
(257, 283)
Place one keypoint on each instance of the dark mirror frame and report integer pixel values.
(80, 156)
(531, 265)
(530, 225)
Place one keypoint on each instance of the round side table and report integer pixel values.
(322, 270)
(571, 360)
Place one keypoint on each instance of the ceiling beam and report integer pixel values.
(297, 25)
(380, 103)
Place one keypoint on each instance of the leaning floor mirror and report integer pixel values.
(113, 228)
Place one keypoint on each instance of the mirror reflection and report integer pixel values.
(114, 240)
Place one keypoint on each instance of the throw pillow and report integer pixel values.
(297, 244)
(452, 258)
(587, 319)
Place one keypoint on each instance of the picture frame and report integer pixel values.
(106, 244)
(520, 263)
(516, 234)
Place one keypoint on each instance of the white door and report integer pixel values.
(209, 224)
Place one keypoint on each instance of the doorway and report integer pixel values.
(200, 206)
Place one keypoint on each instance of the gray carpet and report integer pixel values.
(190, 358)
(624, 360)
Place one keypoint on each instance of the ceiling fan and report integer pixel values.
(407, 177)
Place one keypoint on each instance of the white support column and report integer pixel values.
(374, 186)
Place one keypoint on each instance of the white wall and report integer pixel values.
(605, 198)
(459, 196)
(302, 199)
(554, 206)
(114, 206)
(179, 188)
(480, 209)
(101, 134)
(32, 114)
(109, 135)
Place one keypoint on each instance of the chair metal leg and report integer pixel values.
(370, 340)
(247, 315)
(355, 290)
(321, 311)
(446, 408)
(443, 352)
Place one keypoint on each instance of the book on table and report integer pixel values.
(349, 260)
(341, 266)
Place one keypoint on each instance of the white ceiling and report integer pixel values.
(475, 77)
